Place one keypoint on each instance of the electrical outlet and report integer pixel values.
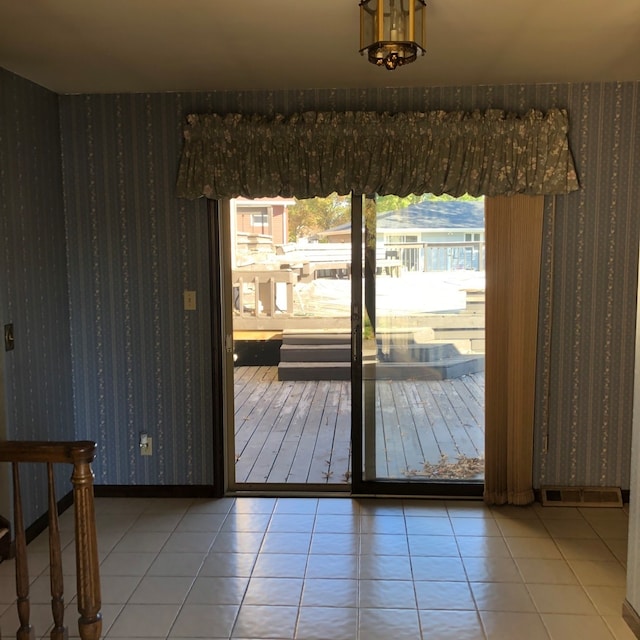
(146, 445)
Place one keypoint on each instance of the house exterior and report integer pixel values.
(434, 235)
(258, 226)
(262, 216)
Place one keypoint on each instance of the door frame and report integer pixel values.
(222, 228)
(363, 403)
(215, 221)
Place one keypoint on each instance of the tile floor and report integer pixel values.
(341, 568)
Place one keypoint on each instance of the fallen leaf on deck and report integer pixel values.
(462, 468)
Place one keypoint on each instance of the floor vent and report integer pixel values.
(581, 497)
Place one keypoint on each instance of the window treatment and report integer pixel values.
(316, 153)
(514, 245)
(494, 153)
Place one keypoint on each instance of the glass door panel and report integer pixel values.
(288, 340)
(423, 340)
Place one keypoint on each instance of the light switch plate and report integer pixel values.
(189, 300)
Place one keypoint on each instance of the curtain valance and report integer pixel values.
(316, 153)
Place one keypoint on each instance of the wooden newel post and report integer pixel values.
(90, 621)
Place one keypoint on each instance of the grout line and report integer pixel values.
(454, 514)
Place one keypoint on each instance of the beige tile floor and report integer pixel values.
(341, 568)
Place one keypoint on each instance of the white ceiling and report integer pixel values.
(106, 46)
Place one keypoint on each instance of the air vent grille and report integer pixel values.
(581, 497)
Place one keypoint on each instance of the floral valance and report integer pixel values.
(316, 153)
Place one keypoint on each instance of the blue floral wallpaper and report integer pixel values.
(142, 363)
(586, 391)
(121, 152)
(33, 291)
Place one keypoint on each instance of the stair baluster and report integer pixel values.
(25, 631)
(79, 454)
(55, 562)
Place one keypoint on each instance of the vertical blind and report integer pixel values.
(514, 244)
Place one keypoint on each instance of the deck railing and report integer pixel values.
(268, 292)
(80, 455)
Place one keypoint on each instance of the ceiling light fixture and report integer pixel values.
(392, 32)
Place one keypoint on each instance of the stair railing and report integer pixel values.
(80, 455)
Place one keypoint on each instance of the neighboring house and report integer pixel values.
(434, 235)
(263, 216)
(258, 225)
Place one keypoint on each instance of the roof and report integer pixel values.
(435, 214)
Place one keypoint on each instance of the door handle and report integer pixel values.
(9, 340)
(355, 332)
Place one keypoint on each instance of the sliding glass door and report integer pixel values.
(418, 375)
(354, 345)
(288, 345)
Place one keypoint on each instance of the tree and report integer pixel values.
(312, 215)
(394, 203)
(446, 197)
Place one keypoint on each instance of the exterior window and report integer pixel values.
(260, 220)
(402, 239)
(254, 220)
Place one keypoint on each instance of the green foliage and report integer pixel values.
(370, 213)
(367, 328)
(446, 197)
(310, 216)
(393, 203)
(313, 215)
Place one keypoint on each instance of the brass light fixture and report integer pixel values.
(392, 32)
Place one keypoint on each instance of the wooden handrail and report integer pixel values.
(80, 455)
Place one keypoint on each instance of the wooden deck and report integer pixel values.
(299, 432)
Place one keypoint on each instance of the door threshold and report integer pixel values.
(280, 490)
(447, 491)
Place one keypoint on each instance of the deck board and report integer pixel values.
(409, 429)
(287, 453)
(391, 430)
(429, 448)
(321, 461)
(301, 465)
(259, 425)
(341, 454)
(429, 393)
(299, 431)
